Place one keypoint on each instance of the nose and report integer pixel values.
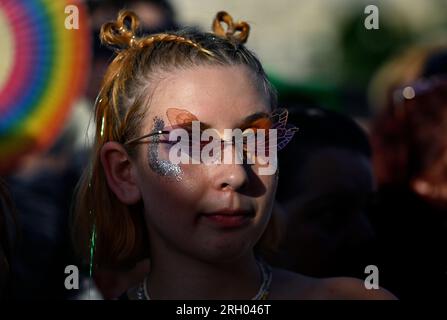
(230, 176)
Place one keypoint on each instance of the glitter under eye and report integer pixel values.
(162, 167)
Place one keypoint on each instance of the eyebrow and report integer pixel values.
(253, 117)
(244, 123)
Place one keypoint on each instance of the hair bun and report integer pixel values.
(235, 31)
(121, 33)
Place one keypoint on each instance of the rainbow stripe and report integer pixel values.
(43, 70)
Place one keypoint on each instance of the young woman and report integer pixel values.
(203, 225)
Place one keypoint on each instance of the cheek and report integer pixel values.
(172, 197)
(270, 182)
(265, 202)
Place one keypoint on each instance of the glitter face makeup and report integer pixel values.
(162, 167)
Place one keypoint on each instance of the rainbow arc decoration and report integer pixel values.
(43, 70)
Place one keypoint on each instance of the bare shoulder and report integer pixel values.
(288, 285)
(351, 289)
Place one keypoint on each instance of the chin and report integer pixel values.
(225, 250)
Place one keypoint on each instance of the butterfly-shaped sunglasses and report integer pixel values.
(183, 119)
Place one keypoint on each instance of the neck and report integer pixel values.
(175, 275)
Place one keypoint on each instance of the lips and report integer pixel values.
(229, 218)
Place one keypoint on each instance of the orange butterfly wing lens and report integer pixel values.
(178, 116)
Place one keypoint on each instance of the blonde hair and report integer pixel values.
(402, 69)
(120, 230)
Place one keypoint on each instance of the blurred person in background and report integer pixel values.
(42, 189)
(409, 142)
(8, 234)
(324, 196)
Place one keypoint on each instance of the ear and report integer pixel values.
(120, 173)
